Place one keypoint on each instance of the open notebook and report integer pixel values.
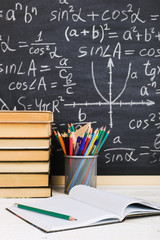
(89, 206)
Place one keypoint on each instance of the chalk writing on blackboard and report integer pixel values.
(111, 102)
(88, 61)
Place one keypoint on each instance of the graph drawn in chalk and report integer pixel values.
(110, 101)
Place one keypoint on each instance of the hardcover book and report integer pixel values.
(26, 116)
(24, 155)
(24, 179)
(25, 192)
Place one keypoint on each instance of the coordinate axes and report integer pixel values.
(110, 101)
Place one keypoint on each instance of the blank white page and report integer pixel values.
(102, 199)
(85, 214)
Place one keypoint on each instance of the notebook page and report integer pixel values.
(102, 199)
(85, 214)
(138, 209)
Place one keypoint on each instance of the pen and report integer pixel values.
(45, 212)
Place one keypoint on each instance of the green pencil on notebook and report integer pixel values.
(45, 212)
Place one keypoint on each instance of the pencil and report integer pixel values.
(72, 127)
(71, 145)
(81, 147)
(91, 143)
(62, 143)
(94, 147)
(45, 212)
(86, 145)
(100, 137)
(55, 133)
(66, 142)
(104, 139)
(77, 145)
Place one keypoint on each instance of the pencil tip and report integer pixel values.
(72, 219)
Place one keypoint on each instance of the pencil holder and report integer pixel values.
(80, 170)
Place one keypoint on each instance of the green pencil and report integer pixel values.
(100, 139)
(45, 212)
(104, 139)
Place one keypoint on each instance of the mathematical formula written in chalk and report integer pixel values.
(86, 62)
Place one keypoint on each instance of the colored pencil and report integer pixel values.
(71, 145)
(86, 144)
(104, 139)
(55, 133)
(81, 147)
(77, 145)
(94, 147)
(74, 178)
(66, 142)
(72, 127)
(62, 143)
(45, 212)
(94, 137)
(100, 140)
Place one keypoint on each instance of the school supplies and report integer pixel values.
(82, 171)
(82, 143)
(90, 206)
(77, 145)
(45, 212)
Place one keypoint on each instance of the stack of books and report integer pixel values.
(25, 141)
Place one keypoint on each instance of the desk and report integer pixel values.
(144, 228)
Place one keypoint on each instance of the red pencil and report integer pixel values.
(70, 145)
(86, 145)
(70, 148)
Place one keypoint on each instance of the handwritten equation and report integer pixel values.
(85, 62)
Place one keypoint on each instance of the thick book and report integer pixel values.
(90, 207)
(24, 179)
(24, 155)
(25, 192)
(24, 167)
(26, 116)
(25, 130)
(25, 143)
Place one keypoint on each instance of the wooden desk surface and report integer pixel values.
(143, 228)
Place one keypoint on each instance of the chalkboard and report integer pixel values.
(88, 60)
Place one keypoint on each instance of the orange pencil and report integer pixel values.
(61, 142)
